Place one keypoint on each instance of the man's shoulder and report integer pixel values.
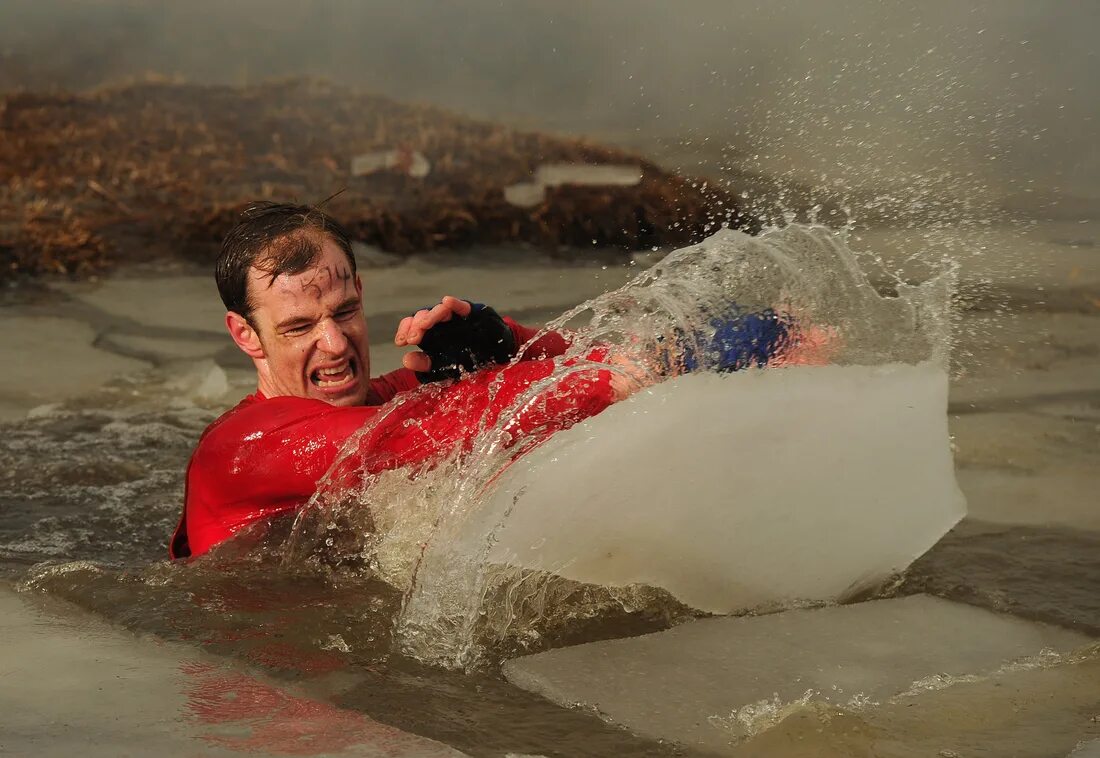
(257, 415)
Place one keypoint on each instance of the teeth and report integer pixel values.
(321, 373)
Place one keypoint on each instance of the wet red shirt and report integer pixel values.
(265, 456)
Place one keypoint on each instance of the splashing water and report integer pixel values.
(433, 533)
(754, 718)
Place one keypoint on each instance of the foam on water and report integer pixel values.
(436, 534)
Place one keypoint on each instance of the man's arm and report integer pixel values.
(457, 333)
(467, 335)
(442, 420)
(549, 345)
(267, 459)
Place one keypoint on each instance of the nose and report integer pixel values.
(331, 337)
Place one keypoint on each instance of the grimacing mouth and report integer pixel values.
(335, 374)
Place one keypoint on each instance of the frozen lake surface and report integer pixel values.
(127, 371)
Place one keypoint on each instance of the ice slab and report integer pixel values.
(201, 381)
(162, 349)
(708, 683)
(610, 175)
(25, 384)
(1090, 749)
(170, 302)
(74, 686)
(401, 161)
(528, 194)
(741, 491)
(1036, 711)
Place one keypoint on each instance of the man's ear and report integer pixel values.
(244, 334)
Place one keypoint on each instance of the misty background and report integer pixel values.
(995, 99)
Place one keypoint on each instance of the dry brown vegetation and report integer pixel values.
(162, 169)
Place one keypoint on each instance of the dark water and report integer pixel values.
(88, 498)
(87, 501)
(1047, 574)
(90, 492)
(94, 485)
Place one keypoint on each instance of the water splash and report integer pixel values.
(406, 526)
(755, 718)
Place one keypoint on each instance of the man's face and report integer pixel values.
(312, 331)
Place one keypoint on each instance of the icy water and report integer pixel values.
(91, 486)
(439, 537)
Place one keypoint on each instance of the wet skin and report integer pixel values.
(308, 334)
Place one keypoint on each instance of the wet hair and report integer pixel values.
(276, 238)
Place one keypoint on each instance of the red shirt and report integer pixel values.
(265, 456)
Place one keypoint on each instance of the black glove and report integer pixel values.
(466, 344)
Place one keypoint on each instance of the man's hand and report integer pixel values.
(634, 372)
(412, 328)
(455, 336)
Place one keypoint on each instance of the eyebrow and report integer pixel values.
(351, 302)
(293, 322)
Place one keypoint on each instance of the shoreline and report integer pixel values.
(159, 170)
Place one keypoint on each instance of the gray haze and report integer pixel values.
(957, 96)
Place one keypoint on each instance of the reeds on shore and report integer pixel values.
(162, 169)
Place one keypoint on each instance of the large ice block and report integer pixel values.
(714, 682)
(739, 491)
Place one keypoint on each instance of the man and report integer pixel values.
(293, 299)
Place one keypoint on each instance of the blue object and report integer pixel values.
(739, 341)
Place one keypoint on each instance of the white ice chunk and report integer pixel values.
(1090, 749)
(171, 302)
(525, 194)
(605, 174)
(712, 682)
(529, 194)
(400, 160)
(202, 381)
(741, 491)
(161, 349)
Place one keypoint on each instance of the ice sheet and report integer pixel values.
(72, 685)
(25, 383)
(713, 682)
(739, 491)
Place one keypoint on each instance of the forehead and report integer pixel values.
(329, 281)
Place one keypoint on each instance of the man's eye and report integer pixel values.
(346, 314)
(295, 331)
